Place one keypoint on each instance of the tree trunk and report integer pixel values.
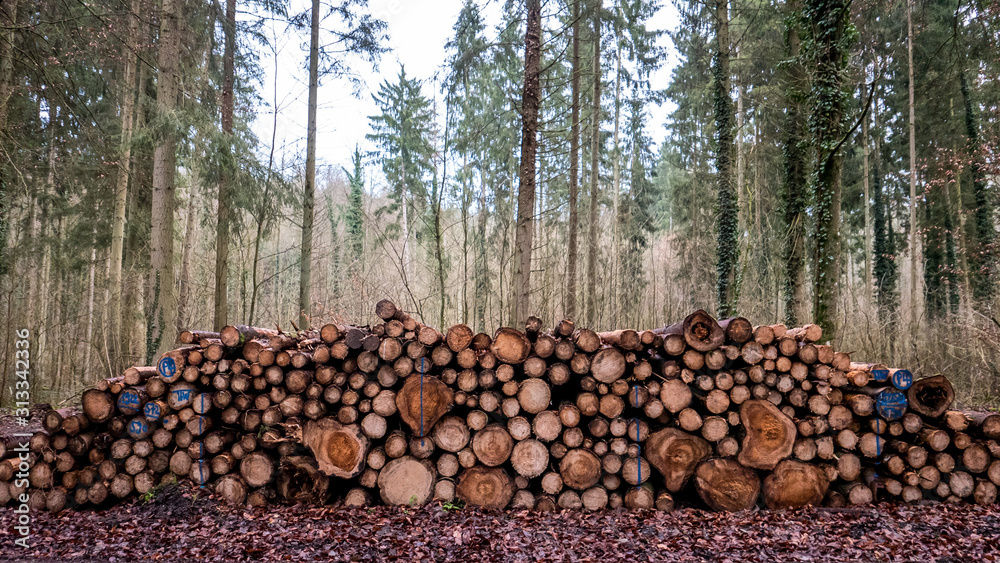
(184, 297)
(127, 95)
(574, 169)
(866, 174)
(309, 192)
(830, 22)
(8, 21)
(727, 215)
(595, 159)
(529, 148)
(161, 282)
(226, 178)
(985, 256)
(914, 239)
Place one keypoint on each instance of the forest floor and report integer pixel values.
(182, 524)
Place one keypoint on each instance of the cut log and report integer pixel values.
(510, 346)
(301, 480)
(493, 445)
(407, 481)
(702, 332)
(490, 488)
(931, 396)
(530, 458)
(675, 454)
(422, 401)
(580, 469)
(770, 435)
(607, 365)
(534, 395)
(340, 450)
(451, 434)
(737, 329)
(725, 485)
(97, 405)
(794, 484)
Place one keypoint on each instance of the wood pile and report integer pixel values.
(699, 413)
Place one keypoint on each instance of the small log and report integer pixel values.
(493, 445)
(580, 469)
(737, 329)
(97, 405)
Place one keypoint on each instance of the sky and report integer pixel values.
(418, 31)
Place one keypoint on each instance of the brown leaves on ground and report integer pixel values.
(181, 524)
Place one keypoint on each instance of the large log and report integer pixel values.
(702, 332)
(724, 484)
(770, 435)
(675, 454)
(407, 481)
(340, 450)
(510, 346)
(422, 401)
(794, 484)
(930, 396)
(490, 488)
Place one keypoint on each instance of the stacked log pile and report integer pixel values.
(705, 413)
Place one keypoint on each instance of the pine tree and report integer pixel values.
(354, 215)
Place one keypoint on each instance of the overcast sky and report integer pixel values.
(418, 31)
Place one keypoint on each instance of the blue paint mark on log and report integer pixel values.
(128, 401)
(891, 404)
(880, 375)
(138, 428)
(902, 379)
(167, 367)
(181, 395)
(152, 411)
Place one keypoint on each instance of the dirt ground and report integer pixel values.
(184, 524)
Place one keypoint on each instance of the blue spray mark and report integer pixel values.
(167, 367)
(902, 379)
(891, 404)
